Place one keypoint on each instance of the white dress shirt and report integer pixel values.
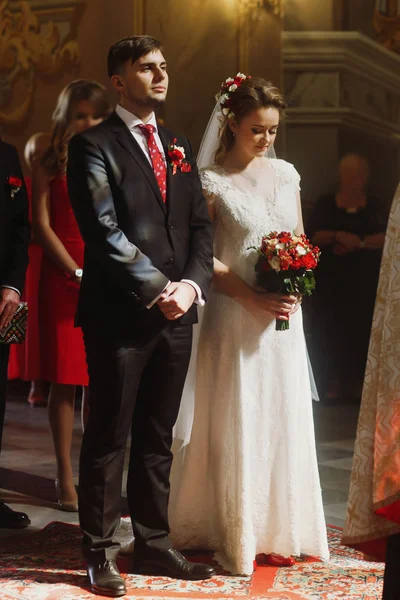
(9, 287)
(132, 122)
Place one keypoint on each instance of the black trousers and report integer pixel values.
(391, 586)
(4, 352)
(134, 387)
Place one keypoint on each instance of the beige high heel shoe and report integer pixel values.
(67, 505)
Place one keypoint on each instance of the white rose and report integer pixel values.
(241, 75)
(280, 246)
(229, 80)
(233, 88)
(275, 263)
(301, 251)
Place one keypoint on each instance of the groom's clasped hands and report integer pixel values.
(176, 300)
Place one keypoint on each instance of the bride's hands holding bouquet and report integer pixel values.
(286, 264)
(277, 305)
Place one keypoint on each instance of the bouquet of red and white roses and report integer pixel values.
(285, 265)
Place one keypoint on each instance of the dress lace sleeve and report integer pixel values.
(295, 177)
(211, 186)
(287, 174)
(209, 182)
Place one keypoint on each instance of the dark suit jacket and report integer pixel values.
(14, 221)
(134, 242)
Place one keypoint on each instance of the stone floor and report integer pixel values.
(27, 466)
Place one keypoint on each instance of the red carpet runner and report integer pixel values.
(47, 565)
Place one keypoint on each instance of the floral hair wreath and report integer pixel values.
(229, 87)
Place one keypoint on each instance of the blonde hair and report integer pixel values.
(35, 147)
(252, 94)
(55, 159)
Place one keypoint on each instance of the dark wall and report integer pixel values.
(359, 16)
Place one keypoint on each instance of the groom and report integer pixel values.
(148, 262)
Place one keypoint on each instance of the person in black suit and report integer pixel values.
(14, 243)
(137, 198)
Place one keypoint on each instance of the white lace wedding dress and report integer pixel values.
(249, 481)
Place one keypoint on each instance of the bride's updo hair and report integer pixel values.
(252, 94)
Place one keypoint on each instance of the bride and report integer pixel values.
(247, 483)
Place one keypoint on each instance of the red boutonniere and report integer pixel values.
(176, 156)
(15, 184)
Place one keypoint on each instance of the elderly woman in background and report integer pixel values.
(373, 513)
(350, 231)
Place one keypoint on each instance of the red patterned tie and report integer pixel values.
(157, 159)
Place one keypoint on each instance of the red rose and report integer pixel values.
(297, 264)
(175, 154)
(309, 261)
(14, 182)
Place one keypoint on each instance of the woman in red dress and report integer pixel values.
(81, 105)
(24, 360)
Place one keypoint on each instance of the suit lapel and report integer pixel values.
(128, 142)
(170, 178)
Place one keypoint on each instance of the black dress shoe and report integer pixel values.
(172, 564)
(11, 519)
(105, 579)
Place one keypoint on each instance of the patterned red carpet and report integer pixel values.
(48, 566)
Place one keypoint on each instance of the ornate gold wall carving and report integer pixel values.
(31, 46)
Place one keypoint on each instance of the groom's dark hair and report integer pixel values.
(130, 48)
